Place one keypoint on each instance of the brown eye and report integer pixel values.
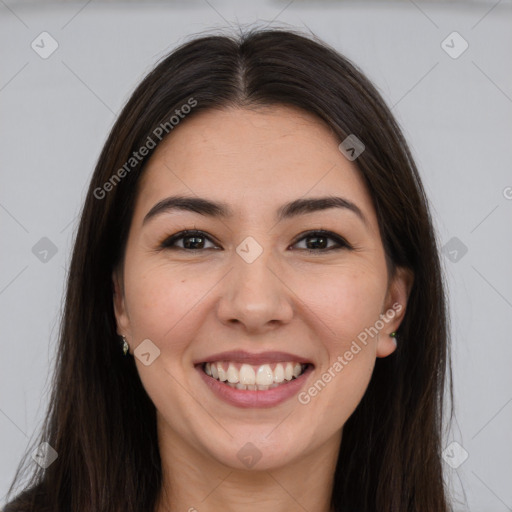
(192, 240)
(318, 241)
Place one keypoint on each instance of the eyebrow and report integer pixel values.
(216, 209)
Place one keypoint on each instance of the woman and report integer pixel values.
(257, 236)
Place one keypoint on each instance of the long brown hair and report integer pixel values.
(100, 420)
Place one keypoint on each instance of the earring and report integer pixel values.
(393, 335)
(126, 347)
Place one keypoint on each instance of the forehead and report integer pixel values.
(251, 137)
(243, 156)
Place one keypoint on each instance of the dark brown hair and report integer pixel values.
(100, 420)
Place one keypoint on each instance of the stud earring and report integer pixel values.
(393, 335)
(126, 347)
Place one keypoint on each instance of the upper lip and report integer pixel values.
(241, 356)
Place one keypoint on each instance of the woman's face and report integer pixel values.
(254, 291)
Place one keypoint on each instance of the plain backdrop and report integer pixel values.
(455, 109)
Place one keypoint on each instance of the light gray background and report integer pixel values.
(456, 113)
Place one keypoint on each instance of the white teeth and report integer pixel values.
(264, 377)
(233, 376)
(254, 378)
(247, 375)
(222, 374)
(279, 373)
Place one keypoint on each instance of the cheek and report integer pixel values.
(159, 301)
(347, 302)
(345, 305)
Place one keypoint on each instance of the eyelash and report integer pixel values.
(342, 244)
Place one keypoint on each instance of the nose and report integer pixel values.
(255, 297)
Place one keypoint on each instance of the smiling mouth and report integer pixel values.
(254, 377)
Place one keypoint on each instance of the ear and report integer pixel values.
(395, 305)
(122, 319)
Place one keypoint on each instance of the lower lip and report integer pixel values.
(257, 398)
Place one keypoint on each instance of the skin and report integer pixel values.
(193, 304)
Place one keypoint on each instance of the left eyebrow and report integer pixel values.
(218, 209)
